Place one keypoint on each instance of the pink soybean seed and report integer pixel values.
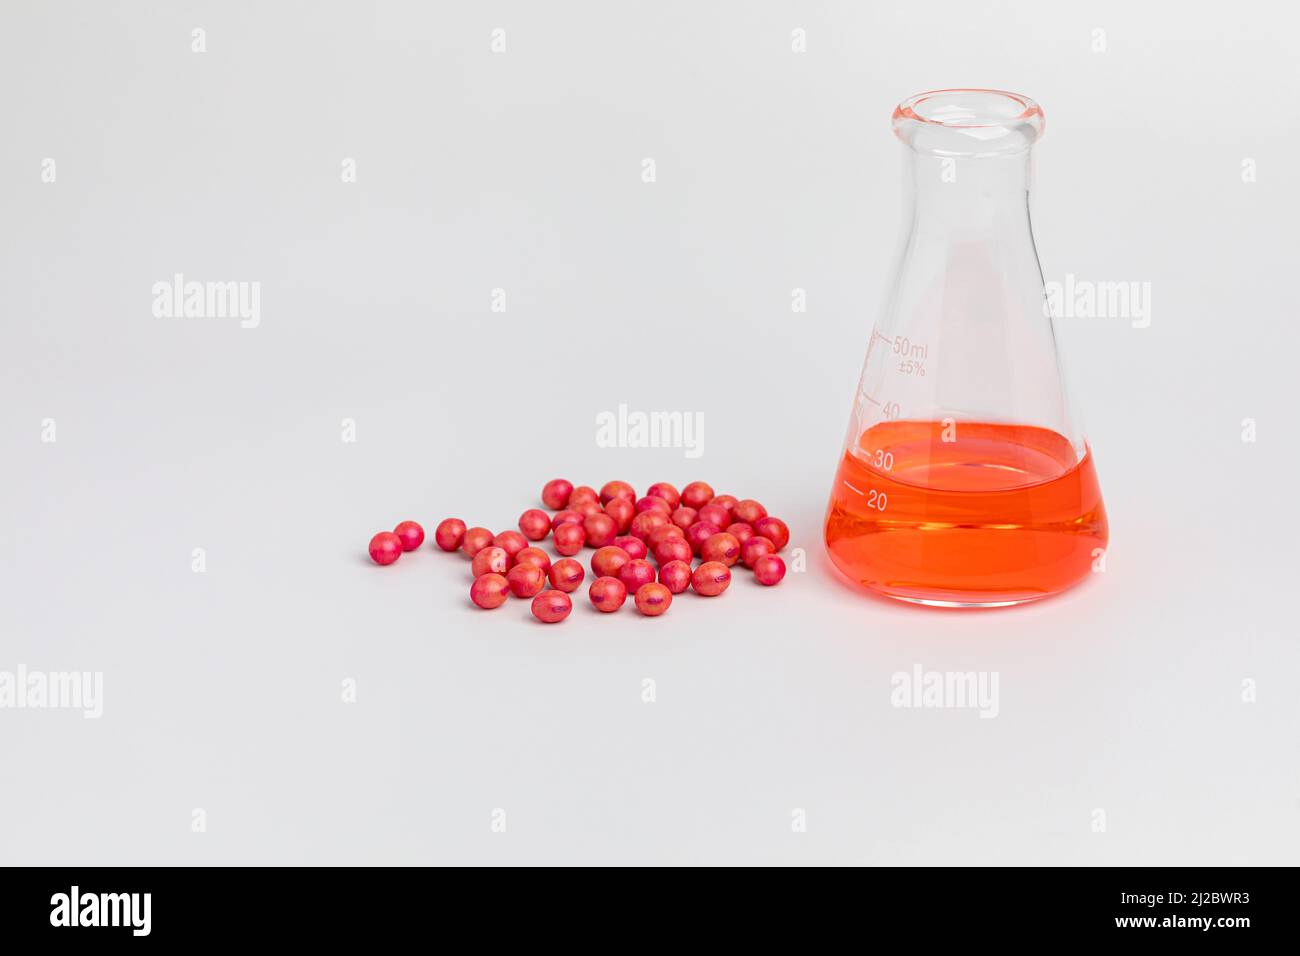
(622, 511)
(635, 547)
(555, 493)
(608, 561)
(551, 607)
(489, 591)
(726, 501)
(721, 547)
(715, 515)
(660, 533)
(566, 516)
(700, 532)
(535, 524)
(449, 534)
(675, 576)
(526, 580)
(696, 495)
(566, 574)
(653, 599)
(741, 531)
(673, 549)
(755, 548)
(569, 538)
(616, 489)
(583, 493)
(607, 594)
(661, 489)
(586, 507)
(769, 569)
(711, 578)
(411, 535)
(646, 522)
(385, 548)
(512, 542)
(749, 511)
(775, 530)
(684, 517)
(600, 529)
(491, 560)
(475, 540)
(651, 503)
(636, 573)
(534, 556)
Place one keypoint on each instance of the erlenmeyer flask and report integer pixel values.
(964, 480)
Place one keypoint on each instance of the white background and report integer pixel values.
(522, 171)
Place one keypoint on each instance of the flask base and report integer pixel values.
(931, 602)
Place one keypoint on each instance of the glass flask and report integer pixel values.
(965, 480)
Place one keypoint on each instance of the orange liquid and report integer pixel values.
(1003, 514)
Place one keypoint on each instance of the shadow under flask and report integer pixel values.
(965, 480)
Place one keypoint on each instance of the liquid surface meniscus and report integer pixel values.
(965, 514)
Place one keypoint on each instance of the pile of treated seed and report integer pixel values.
(623, 530)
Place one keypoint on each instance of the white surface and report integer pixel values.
(522, 170)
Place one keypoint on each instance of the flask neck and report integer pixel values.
(970, 196)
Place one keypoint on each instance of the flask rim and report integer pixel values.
(969, 122)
